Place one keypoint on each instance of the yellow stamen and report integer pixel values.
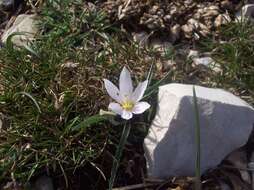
(128, 105)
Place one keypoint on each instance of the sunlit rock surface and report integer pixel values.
(226, 122)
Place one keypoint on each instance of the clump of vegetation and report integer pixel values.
(51, 90)
(233, 51)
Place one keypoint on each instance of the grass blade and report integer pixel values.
(32, 98)
(125, 134)
(150, 90)
(89, 121)
(197, 141)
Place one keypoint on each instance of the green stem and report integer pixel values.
(197, 141)
(125, 134)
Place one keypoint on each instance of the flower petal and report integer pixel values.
(139, 91)
(125, 83)
(112, 90)
(126, 115)
(116, 108)
(140, 107)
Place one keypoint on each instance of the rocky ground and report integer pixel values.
(172, 20)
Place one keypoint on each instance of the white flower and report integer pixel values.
(128, 101)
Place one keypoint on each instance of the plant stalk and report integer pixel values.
(124, 136)
(197, 142)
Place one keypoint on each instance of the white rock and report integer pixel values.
(226, 122)
(247, 12)
(207, 62)
(23, 23)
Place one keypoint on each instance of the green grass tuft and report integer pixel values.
(52, 90)
(233, 51)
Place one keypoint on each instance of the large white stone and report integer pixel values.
(26, 24)
(226, 122)
(246, 13)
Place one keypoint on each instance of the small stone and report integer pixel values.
(188, 2)
(226, 122)
(173, 10)
(25, 24)
(212, 7)
(187, 30)
(193, 22)
(161, 46)
(211, 13)
(204, 30)
(167, 18)
(201, 11)
(160, 13)
(152, 26)
(193, 54)
(226, 4)
(141, 38)
(1, 124)
(197, 16)
(206, 61)
(175, 33)
(154, 9)
(149, 21)
(222, 19)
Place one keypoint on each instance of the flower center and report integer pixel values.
(128, 105)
